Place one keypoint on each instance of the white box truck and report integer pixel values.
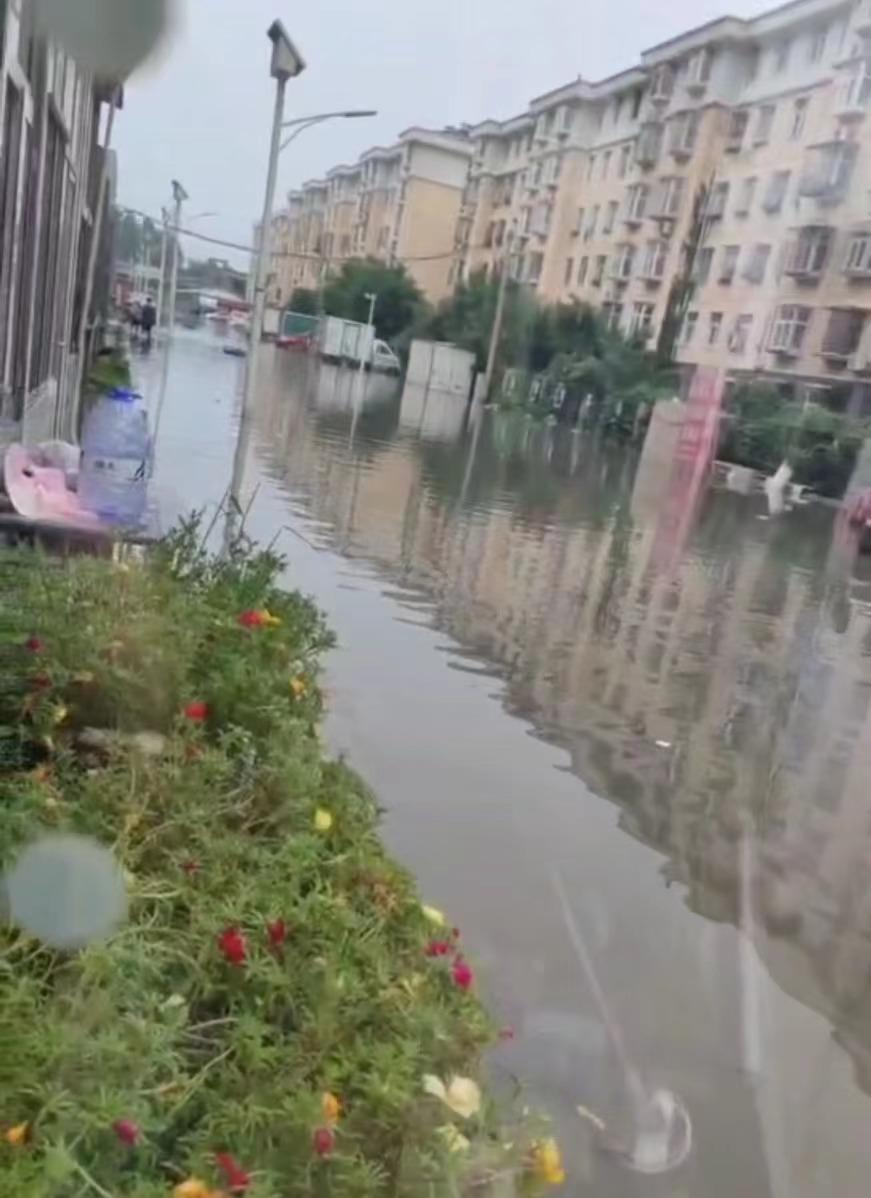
(441, 366)
(346, 341)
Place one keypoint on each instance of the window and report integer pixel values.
(699, 68)
(591, 166)
(606, 163)
(764, 121)
(808, 253)
(642, 320)
(533, 267)
(663, 84)
(625, 154)
(488, 236)
(613, 314)
(799, 116)
(827, 170)
(781, 55)
(583, 265)
(790, 326)
(683, 132)
(655, 258)
(636, 200)
(580, 221)
(599, 271)
(649, 143)
(715, 324)
(775, 192)
(740, 333)
(689, 327)
(610, 216)
(757, 263)
(623, 263)
(569, 271)
(745, 196)
(637, 97)
(738, 123)
(816, 46)
(670, 195)
(703, 265)
(843, 332)
(717, 200)
(592, 222)
(729, 263)
(858, 260)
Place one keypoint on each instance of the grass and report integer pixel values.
(273, 993)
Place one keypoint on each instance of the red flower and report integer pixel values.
(324, 1141)
(438, 948)
(191, 867)
(238, 1179)
(34, 644)
(232, 944)
(126, 1131)
(463, 975)
(197, 711)
(252, 619)
(277, 932)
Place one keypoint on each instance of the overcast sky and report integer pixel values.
(200, 110)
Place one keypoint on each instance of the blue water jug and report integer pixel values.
(116, 455)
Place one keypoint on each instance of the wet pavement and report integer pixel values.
(546, 709)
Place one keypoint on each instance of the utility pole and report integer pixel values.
(370, 331)
(496, 329)
(179, 195)
(164, 242)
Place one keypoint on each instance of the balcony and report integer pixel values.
(843, 335)
(862, 22)
(853, 95)
(857, 264)
(649, 144)
(827, 170)
(807, 255)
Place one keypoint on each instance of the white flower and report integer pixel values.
(433, 915)
(454, 1140)
(461, 1094)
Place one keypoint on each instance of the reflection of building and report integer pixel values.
(396, 204)
(730, 694)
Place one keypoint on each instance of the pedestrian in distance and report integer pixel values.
(147, 319)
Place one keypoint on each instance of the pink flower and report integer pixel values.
(438, 948)
(324, 1141)
(277, 933)
(463, 975)
(232, 944)
(197, 711)
(238, 1179)
(252, 619)
(126, 1131)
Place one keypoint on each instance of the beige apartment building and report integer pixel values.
(397, 204)
(737, 152)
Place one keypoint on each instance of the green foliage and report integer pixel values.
(763, 428)
(399, 301)
(155, 1025)
(304, 300)
(108, 370)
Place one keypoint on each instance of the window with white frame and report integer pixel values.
(808, 253)
(592, 222)
(799, 117)
(827, 169)
(739, 335)
(683, 131)
(625, 155)
(715, 324)
(746, 193)
(534, 263)
(663, 83)
(816, 46)
(764, 123)
(858, 260)
(717, 200)
(599, 270)
(622, 266)
(655, 258)
(699, 67)
(613, 313)
(775, 192)
(642, 320)
(704, 260)
(781, 55)
(757, 263)
(610, 216)
(670, 196)
(583, 267)
(636, 201)
(789, 329)
(579, 223)
(690, 322)
(738, 122)
(728, 263)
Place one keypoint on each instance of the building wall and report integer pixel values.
(426, 233)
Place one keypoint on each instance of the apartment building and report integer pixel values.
(397, 204)
(736, 153)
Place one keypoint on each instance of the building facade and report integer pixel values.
(396, 204)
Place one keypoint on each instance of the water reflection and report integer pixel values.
(720, 706)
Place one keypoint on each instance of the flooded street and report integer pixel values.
(545, 710)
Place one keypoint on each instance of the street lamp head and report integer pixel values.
(286, 59)
(355, 112)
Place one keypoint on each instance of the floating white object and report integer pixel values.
(66, 890)
(109, 37)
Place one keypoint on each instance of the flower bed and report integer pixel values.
(279, 1014)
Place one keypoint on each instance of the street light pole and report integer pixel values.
(287, 62)
(179, 195)
(372, 297)
(164, 243)
(497, 320)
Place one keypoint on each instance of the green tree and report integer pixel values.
(399, 300)
(304, 300)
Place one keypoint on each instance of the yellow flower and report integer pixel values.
(270, 620)
(454, 1140)
(433, 915)
(547, 1162)
(323, 820)
(192, 1188)
(461, 1094)
(16, 1135)
(59, 714)
(331, 1107)
(298, 686)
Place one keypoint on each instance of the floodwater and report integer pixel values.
(628, 755)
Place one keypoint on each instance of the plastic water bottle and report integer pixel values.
(116, 452)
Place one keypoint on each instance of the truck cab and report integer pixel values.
(383, 358)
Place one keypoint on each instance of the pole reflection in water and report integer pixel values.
(528, 693)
